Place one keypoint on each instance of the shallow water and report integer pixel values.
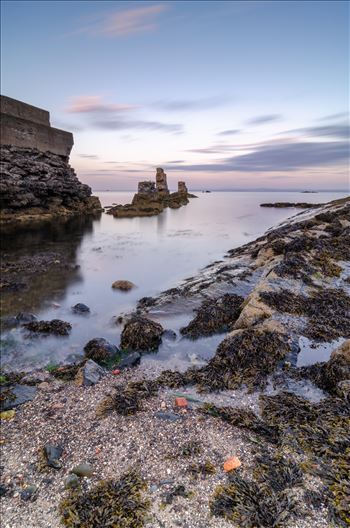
(154, 253)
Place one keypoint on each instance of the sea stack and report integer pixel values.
(152, 197)
(37, 182)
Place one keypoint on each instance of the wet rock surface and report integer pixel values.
(16, 395)
(80, 308)
(55, 327)
(89, 374)
(100, 350)
(141, 334)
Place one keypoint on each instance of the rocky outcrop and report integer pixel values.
(37, 182)
(152, 198)
(297, 205)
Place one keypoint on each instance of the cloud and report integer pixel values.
(283, 156)
(125, 22)
(174, 162)
(228, 132)
(89, 156)
(341, 131)
(260, 120)
(87, 104)
(124, 124)
(192, 104)
(334, 117)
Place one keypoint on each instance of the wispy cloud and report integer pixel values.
(88, 156)
(283, 156)
(339, 131)
(334, 117)
(261, 120)
(125, 124)
(125, 22)
(183, 105)
(87, 104)
(231, 132)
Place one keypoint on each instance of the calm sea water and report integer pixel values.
(154, 253)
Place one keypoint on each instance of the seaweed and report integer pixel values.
(245, 419)
(251, 504)
(214, 316)
(191, 448)
(328, 311)
(109, 504)
(202, 469)
(56, 327)
(277, 471)
(127, 399)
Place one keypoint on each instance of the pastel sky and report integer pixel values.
(226, 95)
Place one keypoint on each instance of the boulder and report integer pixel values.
(16, 395)
(100, 350)
(123, 285)
(80, 308)
(131, 360)
(141, 334)
(55, 327)
(89, 374)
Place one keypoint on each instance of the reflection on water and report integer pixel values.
(154, 253)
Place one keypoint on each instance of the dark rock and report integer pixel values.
(16, 395)
(25, 317)
(53, 454)
(100, 350)
(55, 327)
(169, 334)
(3, 490)
(131, 360)
(141, 334)
(29, 493)
(89, 374)
(298, 205)
(169, 416)
(214, 315)
(80, 308)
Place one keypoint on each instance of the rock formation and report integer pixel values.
(37, 182)
(152, 198)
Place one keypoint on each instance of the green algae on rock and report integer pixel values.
(109, 504)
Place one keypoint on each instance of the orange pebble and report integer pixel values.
(181, 402)
(232, 463)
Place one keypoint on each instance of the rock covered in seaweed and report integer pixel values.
(141, 334)
(55, 327)
(100, 350)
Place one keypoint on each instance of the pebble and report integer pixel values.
(71, 481)
(231, 464)
(83, 470)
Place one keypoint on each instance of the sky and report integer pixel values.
(239, 95)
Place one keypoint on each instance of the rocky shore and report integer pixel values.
(152, 198)
(106, 442)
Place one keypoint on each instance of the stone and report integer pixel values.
(141, 334)
(181, 187)
(29, 493)
(55, 327)
(169, 334)
(231, 464)
(7, 415)
(89, 374)
(161, 182)
(80, 308)
(131, 360)
(37, 376)
(25, 317)
(83, 470)
(53, 454)
(16, 395)
(123, 285)
(100, 350)
(169, 416)
(181, 402)
(3, 490)
(71, 481)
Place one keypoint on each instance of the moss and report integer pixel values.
(109, 504)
